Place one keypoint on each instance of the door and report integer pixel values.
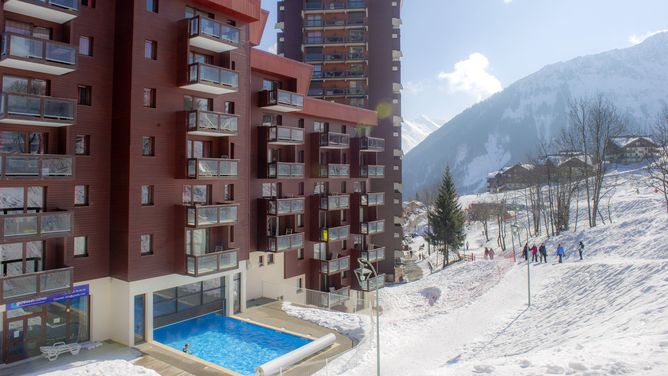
(237, 293)
(23, 337)
(140, 319)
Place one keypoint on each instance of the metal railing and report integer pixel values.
(278, 97)
(373, 255)
(198, 265)
(341, 300)
(36, 225)
(279, 243)
(212, 29)
(373, 199)
(334, 40)
(198, 216)
(373, 283)
(291, 135)
(31, 285)
(335, 202)
(334, 266)
(39, 108)
(285, 206)
(372, 144)
(213, 75)
(39, 166)
(343, 74)
(334, 233)
(286, 170)
(213, 122)
(373, 227)
(335, 140)
(38, 50)
(332, 170)
(372, 171)
(212, 168)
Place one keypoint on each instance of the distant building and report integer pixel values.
(630, 149)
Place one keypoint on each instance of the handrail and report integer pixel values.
(212, 74)
(286, 170)
(198, 216)
(213, 262)
(50, 51)
(278, 243)
(204, 26)
(202, 168)
(38, 166)
(32, 225)
(285, 206)
(210, 121)
(28, 285)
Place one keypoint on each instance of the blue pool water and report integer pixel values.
(230, 343)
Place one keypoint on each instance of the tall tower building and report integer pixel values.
(354, 48)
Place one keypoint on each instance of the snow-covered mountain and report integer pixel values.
(507, 127)
(415, 131)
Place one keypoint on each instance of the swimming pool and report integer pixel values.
(230, 343)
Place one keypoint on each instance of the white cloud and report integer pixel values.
(471, 76)
(273, 48)
(637, 39)
(413, 87)
(507, 1)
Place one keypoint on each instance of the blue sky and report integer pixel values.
(458, 52)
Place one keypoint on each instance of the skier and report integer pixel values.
(491, 254)
(581, 248)
(486, 253)
(534, 253)
(525, 252)
(560, 253)
(543, 253)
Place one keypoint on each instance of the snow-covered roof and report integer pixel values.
(624, 141)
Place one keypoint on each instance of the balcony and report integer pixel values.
(373, 283)
(285, 170)
(332, 170)
(372, 227)
(36, 166)
(212, 168)
(335, 266)
(342, 91)
(333, 5)
(342, 57)
(335, 202)
(35, 226)
(372, 171)
(282, 243)
(373, 255)
(337, 297)
(373, 199)
(23, 109)
(372, 144)
(37, 55)
(333, 140)
(281, 100)
(316, 92)
(214, 124)
(331, 234)
(212, 35)
(285, 206)
(203, 216)
(214, 262)
(286, 136)
(56, 11)
(211, 79)
(334, 40)
(342, 75)
(337, 23)
(33, 285)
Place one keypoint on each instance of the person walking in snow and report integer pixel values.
(486, 253)
(560, 253)
(581, 248)
(543, 252)
(525, 252)
(534, 253)
(491, 254)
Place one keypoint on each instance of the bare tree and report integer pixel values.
(658, 162)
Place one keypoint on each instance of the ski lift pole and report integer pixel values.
(516, 228)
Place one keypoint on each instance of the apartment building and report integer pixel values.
(151, 156)
(355, 50)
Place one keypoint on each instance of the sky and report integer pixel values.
(459, 52)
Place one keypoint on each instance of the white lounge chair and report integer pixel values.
(52, 352)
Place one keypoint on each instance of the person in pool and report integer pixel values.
(186, 348)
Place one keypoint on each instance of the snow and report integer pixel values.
(605, 315)
(622, 142)
(105, 368)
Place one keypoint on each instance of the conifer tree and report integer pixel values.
(447, 218)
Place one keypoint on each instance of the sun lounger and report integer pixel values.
(52, 352)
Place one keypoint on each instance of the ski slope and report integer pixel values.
(605, 315)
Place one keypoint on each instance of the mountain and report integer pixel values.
(415, 131)
(507, 127)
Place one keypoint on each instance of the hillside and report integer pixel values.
(507, 127)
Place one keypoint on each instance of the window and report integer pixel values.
(300, 220)
(300, 123)
(300, 188)
(23, 142)
(267, 120)
(80, 246)
(300, 254)
(85, 95)
(194, 57)
(146, 195)
(196, 194)
(269, 189)
(148, 146)
(21, 85)
(299, 283)
(86, 46)
(320, 188)
(260, 261)
(228, 192)
(152, 6)
(88, 3)
(229, 107)
(270, 85)
(82, 144)
(270, 259)
(300, 156)
(344, 274)
(146, 244)
(149, 98)
(191, 103)
(150, 49)
(318, 127)
(80, 195)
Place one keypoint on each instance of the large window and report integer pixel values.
(189, 297)
(195, 103)
(23, 142)
(196, 194)
(21, 85)
(86, 46)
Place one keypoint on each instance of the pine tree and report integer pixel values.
(447, 218)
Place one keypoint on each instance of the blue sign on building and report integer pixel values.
(77, 291)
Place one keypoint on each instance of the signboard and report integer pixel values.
(77, 291)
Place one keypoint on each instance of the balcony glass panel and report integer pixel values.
(20, 226)
(228, 260)
(217, 30)
(19, 286)
(228, 214)
(55, 280)
(214, 75)
(60, 53)
(207, 216)
(207, 264)
(56, 222)
(67, 4)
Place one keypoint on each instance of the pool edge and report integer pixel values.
(193, 358)
(282, 330)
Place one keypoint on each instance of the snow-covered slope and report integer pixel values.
(507, 127)
(415, 131)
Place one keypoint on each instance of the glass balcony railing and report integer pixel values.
(334, 140)
(209, 123)
(214, 262)
(338, 265)
(212, 168)
(32, 285)
(334, 233)
(286, 135)
(334, 5)
(285, 206)
(344, 57)
(37, 110)
(281, 100)
(211, 79)
(373, 255)
(316, 92)
(39, 55)
(343, 74)
(334, 40)
(218, 37)
(280, 243)
(211, 215)
(373, 283)
(37, 166)
(335, 202)
(337, 297)
(372, 171)
(286, 170)
(372, 144)
(373, 227)
(313, 57)
(332, 170)
(373, 199)
(36, 225)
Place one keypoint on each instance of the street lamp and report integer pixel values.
(364, 274)
(515, 228)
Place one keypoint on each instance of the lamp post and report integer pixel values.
(364, 273)
(516, 229)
